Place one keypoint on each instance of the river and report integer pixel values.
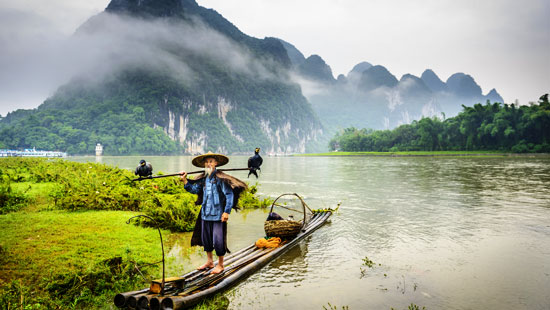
(443, 232)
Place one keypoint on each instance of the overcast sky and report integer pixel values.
(503, 44)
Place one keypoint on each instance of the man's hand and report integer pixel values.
(183, 177)
(225, 217)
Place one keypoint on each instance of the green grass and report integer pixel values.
(37, 193)
(42, 244)
(51, 253)
(55, 254)
(33, 189)
(412, 153)
(50, 248)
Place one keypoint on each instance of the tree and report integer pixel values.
(492, 126)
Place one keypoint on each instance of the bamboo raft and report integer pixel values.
(187, 290)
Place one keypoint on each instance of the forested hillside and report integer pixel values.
(165, 77)
(493, 126)
(172, 77)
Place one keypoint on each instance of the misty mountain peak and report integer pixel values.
(341, 79)
(494, 96)
(152, 7)
(189, 11)
(433, 81)
(463, 85)
(409, 76)
(360, 67)
(315, 67)
(296, 57)
(376, 76)
(413, 85)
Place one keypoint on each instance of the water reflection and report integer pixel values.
(180, 257)
(290, 268)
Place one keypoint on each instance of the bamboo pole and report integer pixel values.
(132, 301)
(122, 298)
(192, 172)
(154, 303)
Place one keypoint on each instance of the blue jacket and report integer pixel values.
(212, 208)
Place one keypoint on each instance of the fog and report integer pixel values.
(37, 59)
(502, 43)
(27, 48)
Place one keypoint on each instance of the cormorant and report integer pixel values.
(274, 217)
(255, 162)
(144, 169)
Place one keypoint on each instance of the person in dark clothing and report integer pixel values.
(216, 196)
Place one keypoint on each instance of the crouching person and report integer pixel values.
(217, 194)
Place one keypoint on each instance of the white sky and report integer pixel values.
(503, 44)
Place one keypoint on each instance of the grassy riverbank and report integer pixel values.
(64, 241)
(418, 153)
(61, 259)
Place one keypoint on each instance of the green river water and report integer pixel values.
(443, 232)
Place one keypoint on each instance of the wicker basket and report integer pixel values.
(282, 228)
(285, 229)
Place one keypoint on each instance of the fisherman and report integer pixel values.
(218, 194)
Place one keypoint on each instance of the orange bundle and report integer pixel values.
(268, 243)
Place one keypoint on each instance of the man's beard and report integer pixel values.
(208, 170)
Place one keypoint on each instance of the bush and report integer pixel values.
(542, 148)
(106, 278)
(173, 212)
(10, 200)
(80, 289)
(521, 147)
(92, 186)
(249, 199)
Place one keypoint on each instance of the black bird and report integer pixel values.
(274, 217)
(144, 169)
(254, 163)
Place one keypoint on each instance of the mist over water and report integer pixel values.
(448, 233)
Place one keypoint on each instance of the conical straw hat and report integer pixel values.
(199, 160)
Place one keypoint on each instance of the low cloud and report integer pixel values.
(310, 88)
(36, 59)
(28, 47)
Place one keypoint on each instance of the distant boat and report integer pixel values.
(32, 153)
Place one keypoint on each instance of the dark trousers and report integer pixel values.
(212, 237)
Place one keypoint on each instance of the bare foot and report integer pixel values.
(206, 266)
(217, 269)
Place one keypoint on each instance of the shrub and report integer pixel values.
(80, 289)
(92, 186)
(521, 147)
(173, 212)
(10, 200)
(249, 199)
